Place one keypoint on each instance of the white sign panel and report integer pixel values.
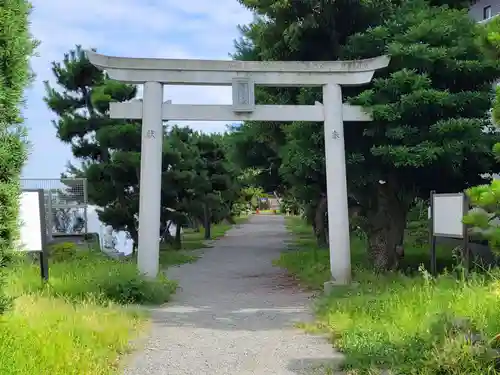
(31, 233)
(448, 210)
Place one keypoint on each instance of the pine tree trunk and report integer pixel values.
(206, 221)
(196, 224)
(135, 237)
(320, 222)
(383, 245)
(386, 227)
(178, 239)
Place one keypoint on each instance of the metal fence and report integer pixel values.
(66, 204)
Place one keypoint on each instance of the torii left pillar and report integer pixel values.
(151, 171)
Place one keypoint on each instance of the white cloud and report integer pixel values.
(154, 28)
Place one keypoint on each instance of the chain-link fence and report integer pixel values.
(66, 204)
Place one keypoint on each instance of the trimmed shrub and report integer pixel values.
(91, 275)
(63, 251)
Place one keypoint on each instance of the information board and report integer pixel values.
(31, 219)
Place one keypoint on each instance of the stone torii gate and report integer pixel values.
(243, 76)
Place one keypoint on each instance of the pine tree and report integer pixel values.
(217, 181)
(194, 167)
(431, 128)
(109, 149)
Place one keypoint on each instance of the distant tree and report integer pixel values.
(217, 188)
(255, 146)
(200, 176)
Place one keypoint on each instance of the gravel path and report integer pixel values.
(234, 313)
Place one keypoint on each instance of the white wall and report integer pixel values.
(123, 243)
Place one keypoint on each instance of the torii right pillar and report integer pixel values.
(336, 185)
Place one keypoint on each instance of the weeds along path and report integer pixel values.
(234, 314)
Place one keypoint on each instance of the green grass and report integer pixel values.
(193, 240)
(90, 275)
(52, 336)
(81, 321)
(408, 324)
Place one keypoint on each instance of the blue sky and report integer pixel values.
(137, 28)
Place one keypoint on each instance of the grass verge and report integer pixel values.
(53, 336)
(406, 324)
(80, 323)
(270, 212)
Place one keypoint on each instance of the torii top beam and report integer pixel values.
(222, 72)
